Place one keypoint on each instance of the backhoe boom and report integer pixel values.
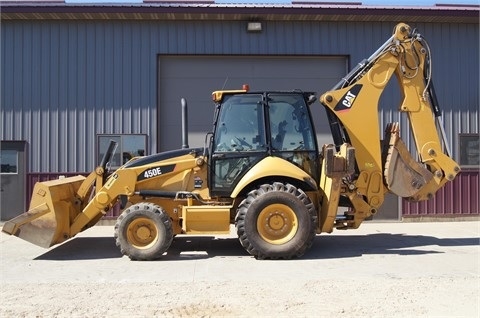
(387, 166)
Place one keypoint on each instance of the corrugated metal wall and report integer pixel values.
(459, 197)
(64, 82)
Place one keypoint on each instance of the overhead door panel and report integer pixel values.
(196, 77)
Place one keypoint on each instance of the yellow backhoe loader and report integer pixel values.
(261, 168)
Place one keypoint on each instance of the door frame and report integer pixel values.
(22, 145)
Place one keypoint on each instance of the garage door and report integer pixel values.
(196, 77)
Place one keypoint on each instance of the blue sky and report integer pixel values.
(364, 2)
(418, 2)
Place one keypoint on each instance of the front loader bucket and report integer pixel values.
(52, 210)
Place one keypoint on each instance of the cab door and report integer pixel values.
(239, 141)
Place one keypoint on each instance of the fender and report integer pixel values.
(273, 166)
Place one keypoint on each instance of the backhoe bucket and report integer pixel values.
(403, 175)
(52, 210)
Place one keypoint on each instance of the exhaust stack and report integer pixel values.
(184, 124)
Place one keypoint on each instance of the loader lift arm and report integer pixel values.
(352, 110)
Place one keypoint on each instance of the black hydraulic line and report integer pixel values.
(335, 128)
(433, 100)
(360, 67)
(363, 66)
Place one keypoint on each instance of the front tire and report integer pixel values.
(276, 221)
(143, 232)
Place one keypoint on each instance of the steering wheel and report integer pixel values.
(242, 142)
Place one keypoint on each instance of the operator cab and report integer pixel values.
(249, 126)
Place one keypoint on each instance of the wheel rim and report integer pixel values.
(142, 233)
(277, 224)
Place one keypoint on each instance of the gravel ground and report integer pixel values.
(379, 270)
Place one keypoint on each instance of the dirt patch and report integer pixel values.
(394, 270)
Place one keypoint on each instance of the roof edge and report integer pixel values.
(204, 10)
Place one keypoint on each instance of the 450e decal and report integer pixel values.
(155, 171)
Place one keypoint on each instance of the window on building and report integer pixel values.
(9, 161)
(469, 150)
(128, 146)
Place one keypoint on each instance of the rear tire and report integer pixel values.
(276, 221)
(143, 232)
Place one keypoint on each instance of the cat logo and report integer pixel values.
(346, 102)
(348, 99)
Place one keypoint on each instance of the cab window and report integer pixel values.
(289, 123)
(240, 125)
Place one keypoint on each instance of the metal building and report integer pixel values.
(74, 76)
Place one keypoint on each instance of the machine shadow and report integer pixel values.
(203, 247)
(83, 248)
(182, 248)
(348, 246)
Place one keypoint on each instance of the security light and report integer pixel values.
(254, 27)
